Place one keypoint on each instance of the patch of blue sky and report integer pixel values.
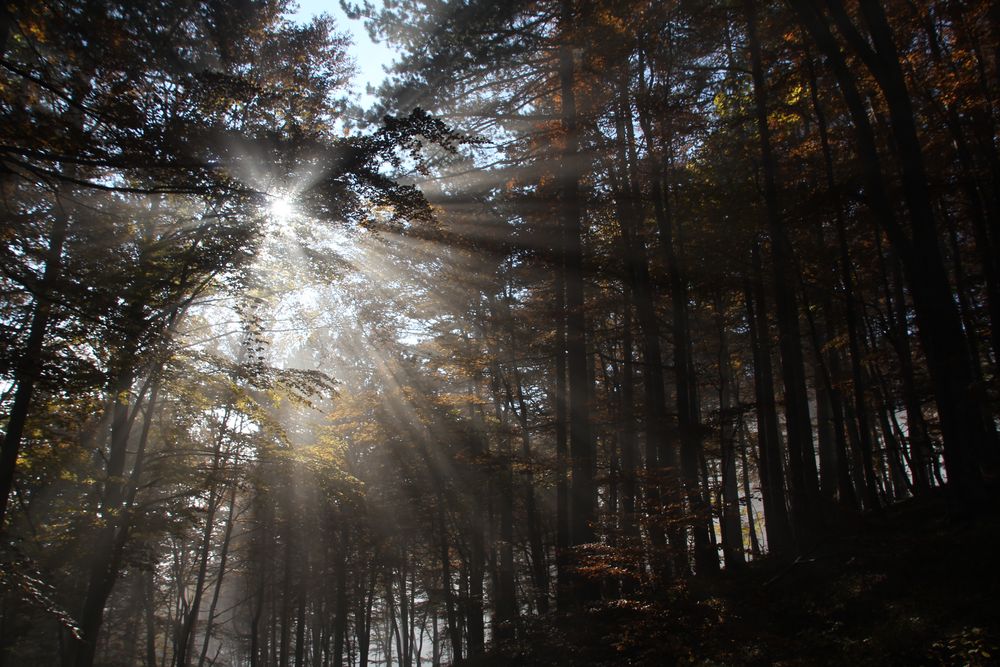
(371, 58)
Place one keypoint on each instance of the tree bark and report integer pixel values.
(803, 483)
(223, 559)
(772, 476)
(732, 528)
(832, 376)
(113, 533)
(582, 495)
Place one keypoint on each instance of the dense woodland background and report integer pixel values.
(607, 320)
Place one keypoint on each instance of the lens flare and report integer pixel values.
(282, 209)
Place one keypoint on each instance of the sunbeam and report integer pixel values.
(282, 209)
(572, 341)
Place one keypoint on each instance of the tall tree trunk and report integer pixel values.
(287, 592)
(260, 556)
(539, 568)
(185, 640)
(223, 559)
(506, 602)
(364, 638)
(689, 417)
(854, 337)
(747, 492)
(803, 482)
(629, 523)
(772, 475)
(826, 437)
(454, 629)
(435, 642)
(661, 458)
(832, 377)
(563, 587)
(403, 634)
(581, 438)
(919, 439)
(300, 627)
(732, 528)
(668, 459)
(340, 596)
(688, 409)
(475, 630)
(504, 596)
(112, 534)
(149, 590)
(393, 625)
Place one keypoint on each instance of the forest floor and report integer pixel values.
(910, 586)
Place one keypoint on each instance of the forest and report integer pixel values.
(604, 332)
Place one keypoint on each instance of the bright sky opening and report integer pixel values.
(371, 57)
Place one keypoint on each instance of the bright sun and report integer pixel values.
(282, 209)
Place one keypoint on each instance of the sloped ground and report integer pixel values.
(912, 586)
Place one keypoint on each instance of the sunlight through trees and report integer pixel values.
(606, 332)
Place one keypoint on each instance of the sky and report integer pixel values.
(370, 57)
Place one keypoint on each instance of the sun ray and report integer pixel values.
(282, 209)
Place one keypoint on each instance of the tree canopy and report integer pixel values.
(607, 319)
